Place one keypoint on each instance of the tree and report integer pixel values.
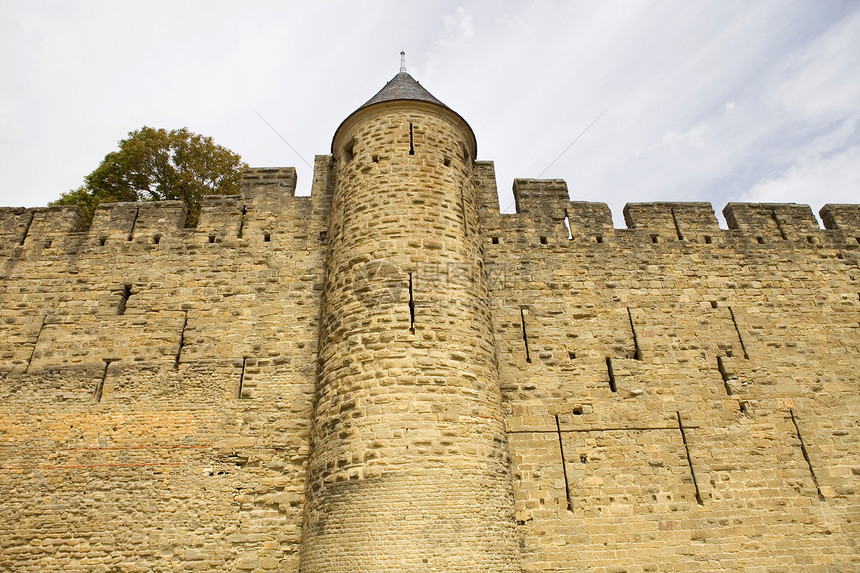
(157, 165)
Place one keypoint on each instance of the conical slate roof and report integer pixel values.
(402, 86)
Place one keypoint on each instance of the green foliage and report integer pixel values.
(157, 165)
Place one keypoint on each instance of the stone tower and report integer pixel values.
(409, 467)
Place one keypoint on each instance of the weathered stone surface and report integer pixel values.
(390, 375)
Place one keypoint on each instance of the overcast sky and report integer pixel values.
(693, 100)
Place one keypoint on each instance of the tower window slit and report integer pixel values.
(133, 224)
(611, 372)
(411, 141)
(27, 228)
(778, 224)
(242, 222)
(689, 459)
(677, 226)
(724, 374)
(563, 464)
(241, 378)
(525, 334)
(738, 330)
(411, 307)
(637, 353)
(806, 454)
(125, 294)
(97, 393)
(181, 342)
(567, 226)
(36, 343)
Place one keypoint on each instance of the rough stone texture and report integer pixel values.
(270, 392)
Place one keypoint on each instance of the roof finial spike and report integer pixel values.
(402, 61)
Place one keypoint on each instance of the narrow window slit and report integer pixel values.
(677, 226)
(778, 224)
(738, 330)
(689, 459)
(133, 224)
(724, 374)
(611, 372)
(125, 294)
(374, 158)
(181, 342)
(495, 240)
(806, 454)
(97, 393)
(637, 353)
(446, 162)
(543, 240)
(563, 464)
(411, 307)
(525, 335)
(463, 211)
(267, 237)
(567, 226)
(411, 142)
(708, 239)
(242, 222)
(598, 238)
(35, 343)
(156, 239)
(211, 239)
(241, 378)
(102, 241)
(654, 238)
(27, 228)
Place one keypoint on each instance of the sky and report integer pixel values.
(626, 100)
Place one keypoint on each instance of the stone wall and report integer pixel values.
(675, 396)
(678, 396)
(157, 381)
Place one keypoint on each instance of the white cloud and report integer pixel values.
(458, 29)
(832, 178)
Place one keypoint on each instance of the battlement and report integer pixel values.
(543, 208)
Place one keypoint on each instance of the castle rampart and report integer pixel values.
(268, 390)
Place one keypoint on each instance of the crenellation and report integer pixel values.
(845, 218)
(268, 183)
(222, 215)
(770, 222)
(539, 195)
(159, 220)
(673, 221)
(114, 223)
(53, 222)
